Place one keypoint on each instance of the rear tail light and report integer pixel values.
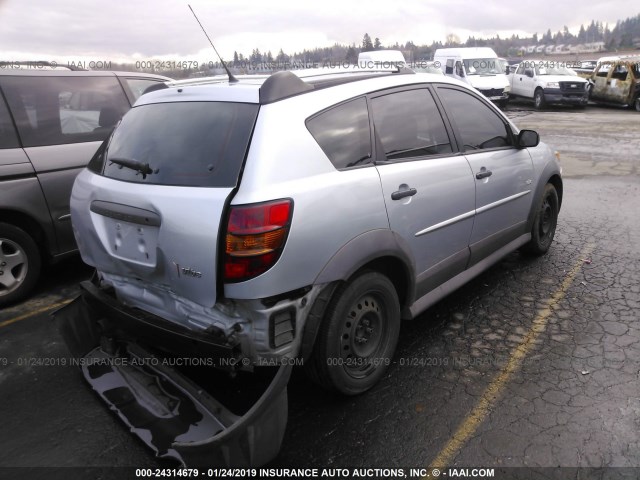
(256, 235)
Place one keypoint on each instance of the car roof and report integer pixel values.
(59, 72)
(620, 59)
(265, 89)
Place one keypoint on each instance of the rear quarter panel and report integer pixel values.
(330, 207)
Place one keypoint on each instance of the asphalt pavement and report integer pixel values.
(535, 363)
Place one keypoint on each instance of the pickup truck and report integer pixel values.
(616, 81)
(547, 82)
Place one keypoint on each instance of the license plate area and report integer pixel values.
(126, 232)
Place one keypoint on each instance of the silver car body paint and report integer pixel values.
(331, 209)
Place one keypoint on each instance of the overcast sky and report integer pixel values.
(128, 30)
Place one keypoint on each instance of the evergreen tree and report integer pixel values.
(367, 45)
(582, 34)
(352, 55)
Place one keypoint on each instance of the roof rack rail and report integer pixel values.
(40, 64)
(285, 84)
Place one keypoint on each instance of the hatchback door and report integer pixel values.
(502, 173)
(429, 191)
(149, 221)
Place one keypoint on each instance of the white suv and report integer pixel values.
(295, 216)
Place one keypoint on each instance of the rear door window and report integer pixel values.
(8, 137)
(60, 110)
(409, 124)
(182, 144)
(343, 133)
(620, 72)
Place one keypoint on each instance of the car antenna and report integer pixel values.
(232, 79)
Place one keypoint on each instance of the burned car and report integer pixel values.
(616, 81)
(252, 223)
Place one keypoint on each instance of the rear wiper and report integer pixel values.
(136, 165)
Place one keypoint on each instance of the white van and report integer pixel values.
(479, 67)
(381, 58)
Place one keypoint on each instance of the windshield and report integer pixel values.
(482, 66)
(554, 70)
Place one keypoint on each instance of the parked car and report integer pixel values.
(297, 217)
(547, 82)
(616, 81)
(51, 123)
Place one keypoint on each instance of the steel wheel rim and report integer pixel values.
(547, 219)
(538, 100)
(362, 336)
(14, 265)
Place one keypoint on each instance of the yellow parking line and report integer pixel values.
(497, 386)
(35, 312)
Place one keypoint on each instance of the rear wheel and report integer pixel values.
(636, 104)
(358, 335)
(19, 263)
(544, 223)
(538, 99)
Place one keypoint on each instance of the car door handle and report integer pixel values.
(483, 173)
(404, 192)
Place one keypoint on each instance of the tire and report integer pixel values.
(20, 264)
(636, 104)
(544, 223)
(358, 335)
(538, 99)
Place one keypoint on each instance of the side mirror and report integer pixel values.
(529, 73)
(528, 138)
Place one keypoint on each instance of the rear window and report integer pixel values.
(59, 110)
(343, 133)
(200, 144)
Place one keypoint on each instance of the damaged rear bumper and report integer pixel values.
(172, 414)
